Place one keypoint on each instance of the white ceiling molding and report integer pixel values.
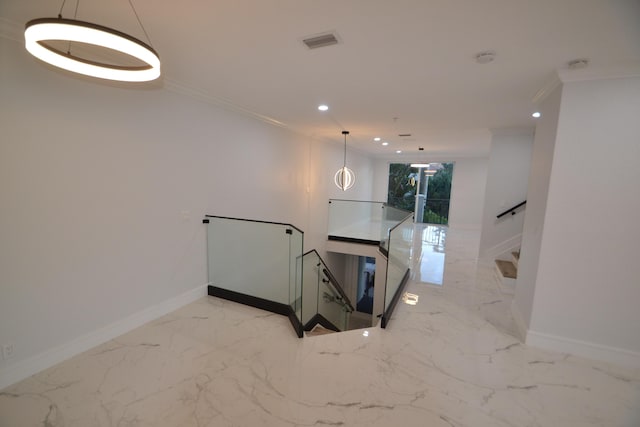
(552, 83)
(513, 131)
(613, 71)
(566, 75)
(182, 89)
(427, 156)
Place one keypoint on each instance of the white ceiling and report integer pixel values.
(407, 59)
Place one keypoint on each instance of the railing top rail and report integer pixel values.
(511, 210)
(255, 220)
(332, 279)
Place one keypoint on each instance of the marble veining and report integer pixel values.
(449, 361)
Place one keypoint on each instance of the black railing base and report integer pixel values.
(386, 316)
(354, 240)
(320, 319)
(261, 303)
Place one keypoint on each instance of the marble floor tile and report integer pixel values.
(448, 361)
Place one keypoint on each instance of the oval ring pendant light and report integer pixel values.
(345, 177)
(39, 32)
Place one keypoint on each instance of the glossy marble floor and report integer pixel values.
(448, 361)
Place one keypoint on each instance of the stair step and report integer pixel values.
(506, 273)
(319, 330)
(516, 258)
(507, 269)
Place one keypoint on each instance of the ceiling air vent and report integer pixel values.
(321, 40)
(404, 135)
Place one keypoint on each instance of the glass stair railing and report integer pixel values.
(377, 223)
(364, 222)
(256, 263)
(261, 264)
(399, 244)
(324, 302)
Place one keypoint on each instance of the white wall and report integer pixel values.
(587, 286)
(538, 188)
(103, 190)
(467, 192)
(380, 180)
(507, 181)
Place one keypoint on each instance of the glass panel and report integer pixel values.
(296, 244)
(321, 294)
(390, 218)
(251, 258)
(310, 277)
(399, 258)
(331, 305)
(355, 219)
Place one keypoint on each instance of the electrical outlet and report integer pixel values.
(7, 351)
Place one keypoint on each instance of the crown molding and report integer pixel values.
(611, 71)
(565, 75)
(552, 83)
(200, 95)
(513, 131)
(428, 157)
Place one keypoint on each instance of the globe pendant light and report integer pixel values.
(345, 178)
(39, 33)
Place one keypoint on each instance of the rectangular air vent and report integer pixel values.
(321, 40)
(404, 135)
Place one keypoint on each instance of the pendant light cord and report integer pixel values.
(345, 133)
(345, 151)
(61, 7)
(135, 12)
(140, 22)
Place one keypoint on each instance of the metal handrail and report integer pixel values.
(332, 279)
(512, 210)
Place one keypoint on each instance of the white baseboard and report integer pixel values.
(25, 368)
(521, 326)
(617, 356)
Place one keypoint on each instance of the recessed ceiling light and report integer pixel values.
(323, 107)
(385, 143)
(377, 138)
(398, 151)
(536, 114)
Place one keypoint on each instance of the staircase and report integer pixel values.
(319, 330)
(507, 273)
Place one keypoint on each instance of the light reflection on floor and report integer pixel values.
(428, 253)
